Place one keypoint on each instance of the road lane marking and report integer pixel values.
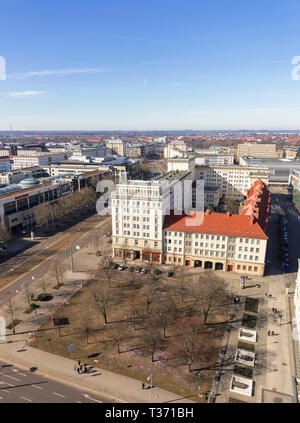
(14, 378)
(37, 387)
(26, 399)
(6, 383)
(89, 398)
(55, 393)
(4, 390)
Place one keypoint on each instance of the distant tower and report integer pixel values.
(11, 133)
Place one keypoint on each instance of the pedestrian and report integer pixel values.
(84, 368)
(273, 333)
(78, 370)
(266, 294)
(143, 385)
(273, 309)
(81, 367)
(269, 332)
(78, 362)
(35, 311)
(75, 368)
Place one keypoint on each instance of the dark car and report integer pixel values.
(170, 274)
(228, 328)
(223, 350)
(157, 272)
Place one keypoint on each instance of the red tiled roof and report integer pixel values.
(216, 223)
(252, 222)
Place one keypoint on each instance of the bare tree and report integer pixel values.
(149, 292)
(191, 350)
(152, 342)
(210, 295)
(44, 284)
(166, 314)
(85, 324)
(109, 271)
(11, 309)
(184, 275)
(57, 272)
(28, 295)
(117, 337)
(102, 301)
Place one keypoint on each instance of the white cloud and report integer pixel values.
(57, 72)
(25, 93)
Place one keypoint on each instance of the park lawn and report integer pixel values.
(98, 349)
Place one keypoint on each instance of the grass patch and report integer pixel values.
(251, 305)
(245, 346)
(243, 371)
(249, 321)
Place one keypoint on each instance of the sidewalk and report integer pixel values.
(117, 387)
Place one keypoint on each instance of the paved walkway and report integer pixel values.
(114, 386)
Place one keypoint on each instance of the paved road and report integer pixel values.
(41, 270)
(21, 386)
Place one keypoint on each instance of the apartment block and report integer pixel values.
(256, 150)
(116, 146)
(234, 181)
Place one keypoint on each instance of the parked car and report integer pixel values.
(170, 274)
(157, 272)
(137, 269)
(228, 328)
(121, 267)
(143, 271)
(223, 350)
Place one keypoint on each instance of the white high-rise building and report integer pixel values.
(138, 212)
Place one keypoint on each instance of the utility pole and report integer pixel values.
(150, 378)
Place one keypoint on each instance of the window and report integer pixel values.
(256, 258)
(255, 269)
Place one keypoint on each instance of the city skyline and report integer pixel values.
(117, 66)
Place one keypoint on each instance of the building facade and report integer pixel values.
(256, 150)
(234, 181)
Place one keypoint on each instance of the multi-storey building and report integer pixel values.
(175, 148)
(17, 202)
(117, 146)
(214, 159)
(256, 150)
(227, 242)
(279, 169)
(40, 159)
(4, 164)
(234, 181)
(138, 212)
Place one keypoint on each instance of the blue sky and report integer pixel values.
(137, 64)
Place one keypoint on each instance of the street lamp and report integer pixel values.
(150, 378)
